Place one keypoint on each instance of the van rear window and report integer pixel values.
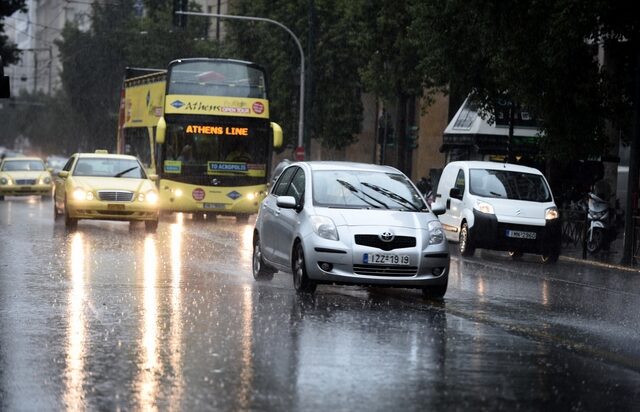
(509, 185)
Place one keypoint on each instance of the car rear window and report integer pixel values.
(508, 184)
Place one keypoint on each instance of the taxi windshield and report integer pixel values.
(109, 167)
(23, 166)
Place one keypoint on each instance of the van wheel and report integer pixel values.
(515, 254)
(551, 257)
(465, 246)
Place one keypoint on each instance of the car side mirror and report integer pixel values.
(455, 193)
(438, 209)
(63, 174)
(287, 202)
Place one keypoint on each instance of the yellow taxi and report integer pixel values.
(24, 176)
(105, 186)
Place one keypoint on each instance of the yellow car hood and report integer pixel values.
(114, 183)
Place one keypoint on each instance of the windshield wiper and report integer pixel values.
(393, 196)
(124, 172)
(496, 194)
(355, 191)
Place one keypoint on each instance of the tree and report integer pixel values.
(8, 50)
(333, 100)
(93, 62)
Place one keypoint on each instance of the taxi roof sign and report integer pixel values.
(102, 151)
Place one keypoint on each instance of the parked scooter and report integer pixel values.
(601, 223)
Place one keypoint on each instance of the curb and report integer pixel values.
(603, 265)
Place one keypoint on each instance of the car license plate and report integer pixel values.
(519, 234)
(115, 207)
(213, 205)
(385, 259)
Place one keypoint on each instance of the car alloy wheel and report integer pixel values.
(259, 269)
(301, 281)
(69, 222)
(465, 242)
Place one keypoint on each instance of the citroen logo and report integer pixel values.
(386, 236)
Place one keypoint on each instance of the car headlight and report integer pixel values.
(81, 194)
(551, 213)
(152, 197)
(4, 181)
(324, 227)
(484, 207)
(45, 180)
(436, 235)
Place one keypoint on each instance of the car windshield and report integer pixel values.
(109, 167)
(365, 189)
(509, 185)
(23, 165)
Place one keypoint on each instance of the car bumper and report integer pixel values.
(428, 267)
(488, 233)
(25, 190)
(112, 211)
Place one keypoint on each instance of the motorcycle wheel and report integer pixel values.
(595, 240)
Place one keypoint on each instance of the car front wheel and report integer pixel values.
(301, 281)
(69, 222)
(465, 246)
(259, 268)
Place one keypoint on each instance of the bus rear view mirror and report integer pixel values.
(161, 130)
(277, 134)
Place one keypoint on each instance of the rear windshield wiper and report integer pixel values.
(356, 191)
(124, 172)
(393, 196)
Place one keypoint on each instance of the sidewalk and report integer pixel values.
(607, 259)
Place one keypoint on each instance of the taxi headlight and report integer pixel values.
(484, 207)
(551, 213)
(152, 197)
(45, 180)
(141, 197)
(324, 227)
(4, 181)
(436, 235)
(79, 194)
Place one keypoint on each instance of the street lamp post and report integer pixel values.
(230, 16)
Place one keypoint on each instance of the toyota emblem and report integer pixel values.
(386, 236)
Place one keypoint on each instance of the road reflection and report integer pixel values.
(74, 396)
(175, 337)
(151, 367)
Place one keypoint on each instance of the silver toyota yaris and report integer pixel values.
(350, 223)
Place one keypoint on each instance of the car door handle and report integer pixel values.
(276, 212)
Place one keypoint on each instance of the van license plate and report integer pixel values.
(385, 259)
(518, 234)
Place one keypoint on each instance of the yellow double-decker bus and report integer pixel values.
(203, 127)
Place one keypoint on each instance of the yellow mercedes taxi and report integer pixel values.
(105, 186)
(24, 176)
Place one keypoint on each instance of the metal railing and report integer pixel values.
(574, 227)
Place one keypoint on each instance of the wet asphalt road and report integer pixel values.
(111, 318)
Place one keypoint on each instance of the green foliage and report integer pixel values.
(94, 61)
(8, 50)
(333, 101)
(540, 54)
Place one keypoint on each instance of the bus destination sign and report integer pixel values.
(217, 130)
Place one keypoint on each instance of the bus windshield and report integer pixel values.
(216, 78)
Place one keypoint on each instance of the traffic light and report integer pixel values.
(412, 137)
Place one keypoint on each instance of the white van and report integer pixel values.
(499, 206)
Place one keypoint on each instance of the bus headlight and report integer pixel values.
(178, 192)
(252, 196)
